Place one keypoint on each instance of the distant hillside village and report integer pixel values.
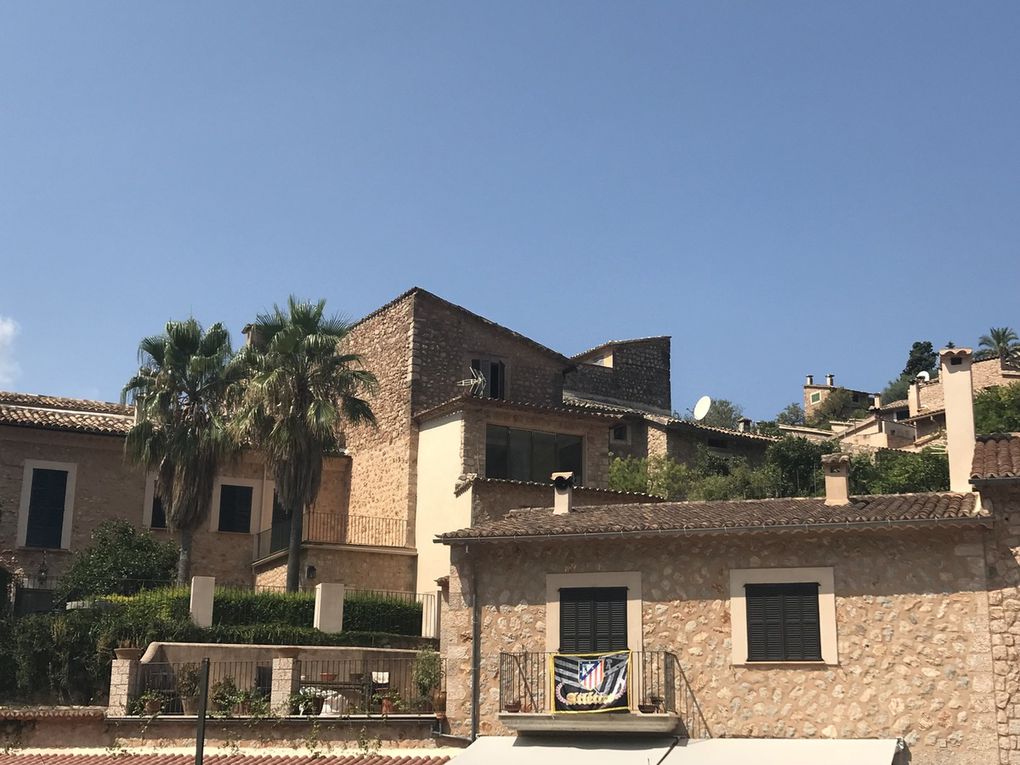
(425, 528)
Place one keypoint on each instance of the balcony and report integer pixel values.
(336, 529)
(658, 700)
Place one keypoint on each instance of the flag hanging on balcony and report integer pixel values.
(591, 682)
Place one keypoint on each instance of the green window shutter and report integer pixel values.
(783, 622)
(593, 619)
(46, 508)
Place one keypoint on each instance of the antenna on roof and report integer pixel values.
(476, 383)
(701, 408)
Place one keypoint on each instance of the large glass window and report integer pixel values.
(235, 508)
(46, 508)
(526, 455)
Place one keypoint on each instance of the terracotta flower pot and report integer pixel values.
(133, 654)
(388, 706)
(190, 705)
(152, 706)
(327, 677)
(439, 702)
(512, 706)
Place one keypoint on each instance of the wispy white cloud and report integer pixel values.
(9, 369)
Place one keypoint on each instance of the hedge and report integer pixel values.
(64, 657)
(369, 612)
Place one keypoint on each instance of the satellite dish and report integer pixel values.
(701, 408)
(924, 376)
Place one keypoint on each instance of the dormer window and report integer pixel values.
(494, 373)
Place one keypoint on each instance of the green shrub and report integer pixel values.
(369, 612)
(236, 607)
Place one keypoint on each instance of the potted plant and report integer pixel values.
(427, 676)
(250, 703)
(652, 705)
(188, 677)
(512, 706)
(126, 649)
(389, 702)
(151, 702)
(224, 695)
(308, 701)
(327, 677)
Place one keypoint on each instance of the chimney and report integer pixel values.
(809, 380)
(744, 425)
(878, 401)
(830, 380)
(563, 484)
(837, 478)
(958, 395)
(914, 397)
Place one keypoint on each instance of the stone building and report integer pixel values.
(837, 618)
(443, 454)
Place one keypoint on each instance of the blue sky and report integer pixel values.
(784, 188)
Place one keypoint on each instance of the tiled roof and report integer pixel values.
(473, 479)
(996, 456)
(69, 414)
(675, 422)
(467, 400)
(901, 404)
(768, 515)
(46, 712)
(118, 758)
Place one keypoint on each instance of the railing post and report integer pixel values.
(203, 589)
(329, 607)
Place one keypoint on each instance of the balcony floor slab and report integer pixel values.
(638, 724)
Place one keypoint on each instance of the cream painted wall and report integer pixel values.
(438, 508)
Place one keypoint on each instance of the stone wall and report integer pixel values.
(381, 471)
(639, 374)
(683, 444)
(447, 339)
(915, 659)
(985, 373)
(359, 569)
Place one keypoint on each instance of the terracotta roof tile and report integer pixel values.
(59, 413)
(730, 516)
(996, 457)
(467, 400)
(116, 758)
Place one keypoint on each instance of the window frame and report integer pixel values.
(822, 576)
(591, 596)
(504, 368)
(578, 474)
(30, 466)
(626, 438)
(631, 580)
(256, 503)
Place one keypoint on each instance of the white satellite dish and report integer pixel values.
(701, 408)
(924, 376)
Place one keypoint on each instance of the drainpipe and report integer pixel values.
(476, 651)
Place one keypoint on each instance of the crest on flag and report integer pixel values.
(590, 674)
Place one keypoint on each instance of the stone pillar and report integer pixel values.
(958, 398)
(286, 679)
(123, 683)
(202, 590)
(329, 607)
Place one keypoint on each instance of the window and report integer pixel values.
(525, 455)
(235, 508)
(158, 517)
(783, 615)
(620, 434)
(816, 397)
(47, 503)
(593, 619)
(782, 622)
(495, 377)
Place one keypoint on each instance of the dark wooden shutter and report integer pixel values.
(593, 619)
(782, 622)
(46, 508)
(158, 519)
(235, 508)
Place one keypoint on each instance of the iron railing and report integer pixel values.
(374, 686)
(657, 685)
(335, 528)
(236, 688)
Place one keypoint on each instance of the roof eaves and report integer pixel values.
(614, 343)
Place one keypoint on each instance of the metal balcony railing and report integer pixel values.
(656, 685)
(335, 528)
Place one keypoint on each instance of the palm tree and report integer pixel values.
(300, 389)
(1000, 341)
(182, 434)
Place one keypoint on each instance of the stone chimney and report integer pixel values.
(830, 380)
(744, 425)
(878, 401)
(958, 395)
(563, 485)
(914, 397)
(837, 478)
(809, 379)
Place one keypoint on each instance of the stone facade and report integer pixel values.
(633, 371)
(985, 373)
(915, 656)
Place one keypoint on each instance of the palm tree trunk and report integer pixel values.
(294, 551)
(184, 559)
